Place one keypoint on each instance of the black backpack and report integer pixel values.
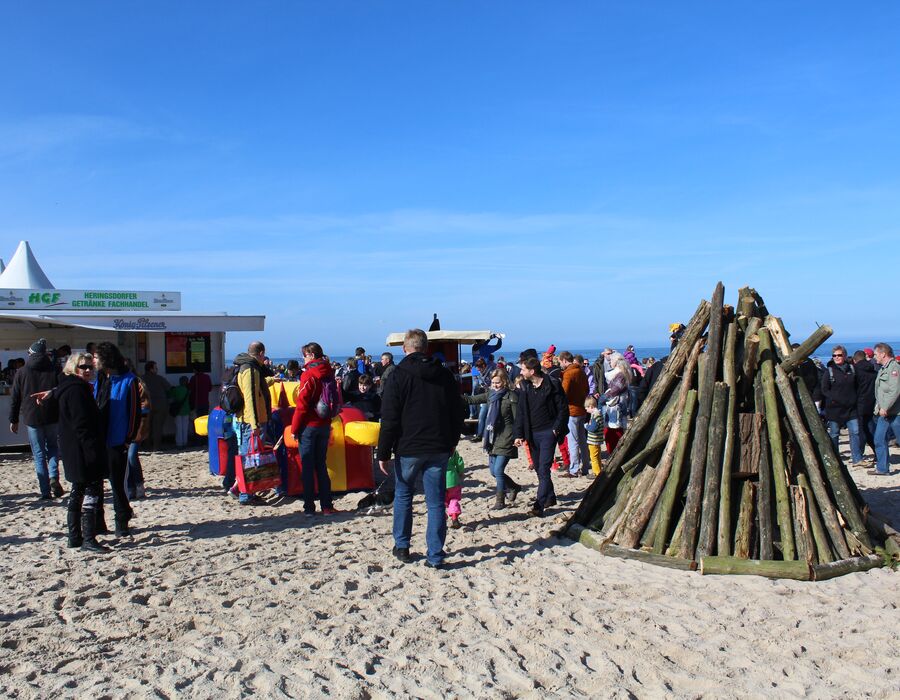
(231, 400)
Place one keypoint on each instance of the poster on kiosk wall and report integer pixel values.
(184, 350)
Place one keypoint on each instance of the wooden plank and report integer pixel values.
(709, 517)
(743, 531)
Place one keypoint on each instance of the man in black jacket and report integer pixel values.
(422, 416)
(839, 392)
(541, 421)
(38, 375)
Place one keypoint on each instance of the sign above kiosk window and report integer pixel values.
(89, 300)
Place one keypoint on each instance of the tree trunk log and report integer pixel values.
(743, 531)
(807, 348)
(796, 570)
(670, 492)
(779, 336)
(635, 525)
(819, 489)
(764, 501)
(752, 445)
(779, 472)
(709, 518)
(701, 433)
(822, 572)
(645, 417)
(806, 547)
(729, 375)
(675, 545)
(823, 549)
(590, 539)
(844, 497)
(748, 367)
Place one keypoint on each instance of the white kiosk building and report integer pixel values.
(145, 325)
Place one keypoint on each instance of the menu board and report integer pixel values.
(184, 350)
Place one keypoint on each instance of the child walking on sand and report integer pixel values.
(455, 468)
(594, 433)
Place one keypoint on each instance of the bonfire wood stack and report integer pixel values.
(728, 467)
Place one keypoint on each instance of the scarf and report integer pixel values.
(493, 415)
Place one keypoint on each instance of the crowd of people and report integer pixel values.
(92, 410)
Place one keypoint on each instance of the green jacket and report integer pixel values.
(178, 395)
(455, 469)
(503, 437)
(887, 388)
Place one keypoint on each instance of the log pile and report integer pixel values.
(727, 467)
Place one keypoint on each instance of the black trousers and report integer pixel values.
(117, 459)
(88, 494)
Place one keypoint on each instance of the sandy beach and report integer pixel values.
(211, 599)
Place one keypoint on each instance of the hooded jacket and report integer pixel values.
(550, 394)
(118, 398)
(575, 386)
(308, 395)
(38, 374)
(839, 391)
(80, 437)
(865, 388)
(253, 383)
(422, 411)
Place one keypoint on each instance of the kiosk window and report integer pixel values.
(185, 349)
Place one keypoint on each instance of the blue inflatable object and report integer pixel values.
(218, 428)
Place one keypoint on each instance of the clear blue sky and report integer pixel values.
(577, 172)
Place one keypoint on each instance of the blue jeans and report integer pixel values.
(882, 430)
(313, 451)
(834, 429)
(497, 465)
(434, 479)
(482, 419)
(579, 461)
(543, 445)
(44, 441)
(135, 473)
(243, 431)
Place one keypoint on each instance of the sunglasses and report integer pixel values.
(838, 354)
(85, 367)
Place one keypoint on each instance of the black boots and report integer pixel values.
(500, 503)
(89, 533)
(56, 489)
(122, 527)
(512, 489)
(73, 521)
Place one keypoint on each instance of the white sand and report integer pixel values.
(216, 600)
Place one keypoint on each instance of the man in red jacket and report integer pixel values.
(312, 429)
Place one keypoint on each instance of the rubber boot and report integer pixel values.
(122, 528)
(100, 519)
(89, 533)
(73, 521)
(500, 503)
(512, 489)
(56, 488)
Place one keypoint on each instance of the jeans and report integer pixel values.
(313, 451)
(243, 431)
(542, 449)
(497, 465)
(117, 459)
(181, 430)
(882, 430)
(135, 473)
(482, 419)
(834, 429)
(577, 439)
(44, 441)
(434, 480)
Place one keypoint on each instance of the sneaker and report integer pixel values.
(875, 472)
(550, 503)
(140, 492)
(330, 511)
(455, 524)
(402, 553)
(536, 512)
(233, 492)
(438, 566)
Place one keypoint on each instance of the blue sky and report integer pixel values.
(577, 172)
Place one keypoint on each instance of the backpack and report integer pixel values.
(329, 404)
(231, 400)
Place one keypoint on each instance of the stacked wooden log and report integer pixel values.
(728, 467)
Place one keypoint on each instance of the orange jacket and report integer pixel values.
(575, 386)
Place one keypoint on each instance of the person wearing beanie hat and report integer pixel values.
(38, 375)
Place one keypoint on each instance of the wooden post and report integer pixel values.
(779, 336)
(752, 445)
(658, 393)
(843, 495)
(823, 550)
(779, 470)
(823, 572)
(743, 531)
(806, 548)
(709, 518)
(796, 570)
(729, 375)
(675, 544)
(819, 489)
(748, 368)
(670, 492)
(640, 482)
(807, 348)
(701, 431)
(634, 526)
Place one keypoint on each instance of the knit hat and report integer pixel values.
(869, 352)
(38, 347)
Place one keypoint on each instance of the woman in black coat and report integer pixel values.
(82, 449)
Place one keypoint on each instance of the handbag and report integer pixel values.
(258, 470)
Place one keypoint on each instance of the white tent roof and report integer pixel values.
(24, 272)
(461, 337)
(2, 266)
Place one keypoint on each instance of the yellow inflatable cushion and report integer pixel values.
(362, 432)
(200, 425)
